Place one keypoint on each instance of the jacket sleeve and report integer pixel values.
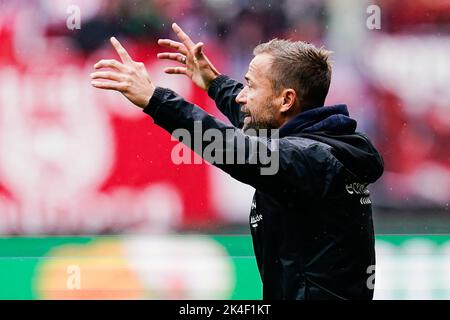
(288, 167)
(224, 90)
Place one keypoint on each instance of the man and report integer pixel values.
(311, 221)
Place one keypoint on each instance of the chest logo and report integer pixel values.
(255, 219)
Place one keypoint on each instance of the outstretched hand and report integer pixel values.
(129, 77)
(196, 65)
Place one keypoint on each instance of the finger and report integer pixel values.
(183, 36)
(107, 75)
(198, 51)
(117, 86)
(113, 64)
(176, 70)
(123, 54)
(172, 56)
(198, 54)
(173, 44)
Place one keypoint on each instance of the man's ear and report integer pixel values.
(289, 97)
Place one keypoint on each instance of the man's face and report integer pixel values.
(257, 99)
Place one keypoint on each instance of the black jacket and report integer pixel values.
(311, 222)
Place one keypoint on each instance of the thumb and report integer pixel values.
(198, 50)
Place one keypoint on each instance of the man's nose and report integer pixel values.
(240, 99)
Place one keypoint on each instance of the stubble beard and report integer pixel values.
(268, 124)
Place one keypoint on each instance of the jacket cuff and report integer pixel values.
(215, 85)
(155, 101)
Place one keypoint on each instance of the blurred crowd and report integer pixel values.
(420, 16)
(237, 26)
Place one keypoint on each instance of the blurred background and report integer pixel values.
(91, 205)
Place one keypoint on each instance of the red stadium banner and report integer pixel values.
(74, 159)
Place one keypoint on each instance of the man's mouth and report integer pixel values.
(247, 117)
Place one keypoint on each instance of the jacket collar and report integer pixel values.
(334, 119)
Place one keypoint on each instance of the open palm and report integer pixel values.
(195, 63)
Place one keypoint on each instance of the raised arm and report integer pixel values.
(223, 91)
(261, 162)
